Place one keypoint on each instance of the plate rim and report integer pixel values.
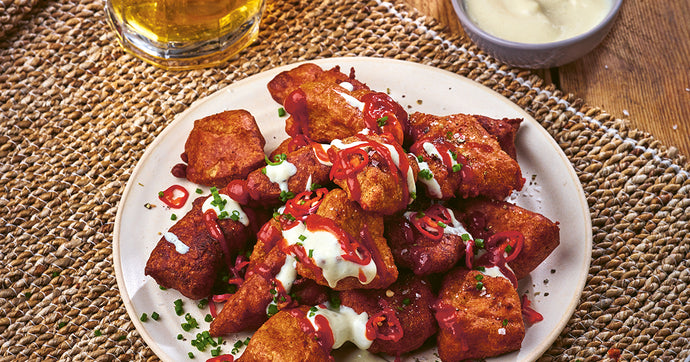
(347, 61)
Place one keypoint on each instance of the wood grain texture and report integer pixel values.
(641, 72)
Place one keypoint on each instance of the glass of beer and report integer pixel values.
(185, 34)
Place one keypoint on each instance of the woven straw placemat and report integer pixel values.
(76, 113)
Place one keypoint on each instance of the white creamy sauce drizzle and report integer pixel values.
(230, 206)
(354, 102)
(180, 247)
(348, 86)
(281, 173)
(326, 253)
(286, 277)
(495, 272)
(346, 325)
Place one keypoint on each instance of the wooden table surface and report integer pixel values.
(640, 72)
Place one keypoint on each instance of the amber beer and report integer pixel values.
(184, 34)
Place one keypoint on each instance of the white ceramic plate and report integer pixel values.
(552, 188)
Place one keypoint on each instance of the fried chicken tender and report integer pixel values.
(223, 147)
(485, 218)
(286, 82)
(477, 320)
(462, 158)
(287, 336)
(190, 263)
(301, 168)
(409, 300)
(375, 172)
(419, 243)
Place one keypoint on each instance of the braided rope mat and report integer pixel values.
(76, 113)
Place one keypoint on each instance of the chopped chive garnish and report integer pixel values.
(442, 224)
(155, 316)
(302, 237)
(281, 112)
(420, 158)
(199, 191)
(208, 318)
(173, 217)
(457, 167)
(505, 322)
(426, 174)
(97, 333)
(480, 285)
(202, 303)
(406, 301)
(478, 277)
(190, 354)
(235, 216)
(382, 121)
(479, 243)
(179, 336)
(144, 317)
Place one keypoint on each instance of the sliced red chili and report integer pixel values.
(211, 222)
(426, 226)
(174, 196)
(305, 203)
(385, 326)
(529, 314)
(347, 162)
(384, 115)
(469, 253)
(222, 358)
(510, 242)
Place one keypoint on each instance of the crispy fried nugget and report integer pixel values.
(286, 82)
(223, 147)
(193, 272)
(307, 171)
(485, 217)
(375, 172)
(484, 168)
(410, 298)
(246, 309)
(364, 227)
(284, 338)
(190, 272)
(477, 321)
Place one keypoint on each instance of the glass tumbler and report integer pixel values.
(185, 34)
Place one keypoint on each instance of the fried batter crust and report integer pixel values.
(194, 272)
(488, 170)
(223, 147)
(485, 217)
(484, 323)
(285, 82)
(282, 339)
(353, 220)
(411, 299)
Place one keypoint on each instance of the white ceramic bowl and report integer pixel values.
(542, 55)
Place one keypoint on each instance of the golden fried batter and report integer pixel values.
(477, 320)
(223, 147)
(504, 129)
(410, 298)
(285, 82)
(487, 217)
(375, 172)
(308, 171)
(465, 160)
(283, 339)
(193, 272)
(364, 227)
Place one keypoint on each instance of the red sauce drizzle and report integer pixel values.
(210, 220)
(238, 191)
(447, 318)
(222, 358)
(379, 106)
(296, 104)
(322, 338)
(324, 331)
(529, 314)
